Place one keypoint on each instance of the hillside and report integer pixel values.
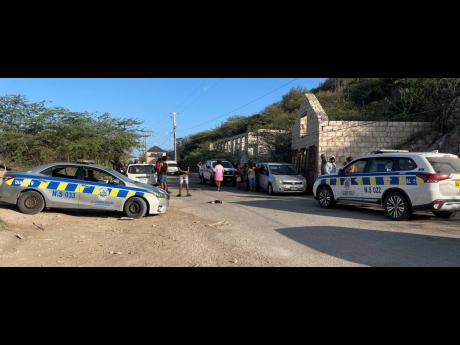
(353, 99)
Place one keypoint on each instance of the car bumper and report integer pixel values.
(290, 189)
(162, 206)
(443, 205)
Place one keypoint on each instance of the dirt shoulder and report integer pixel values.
(72, 238)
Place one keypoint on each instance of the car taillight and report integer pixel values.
(7, 178)
(433, 178)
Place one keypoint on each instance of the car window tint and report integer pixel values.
(356, 167)
(62, 172)
(406, 164)
(94, 175)
(445, 165)
(379, 165)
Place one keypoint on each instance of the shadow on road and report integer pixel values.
(378, 248)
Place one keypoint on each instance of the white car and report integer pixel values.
(172, 168)
(144, 173)
(280, 178)
(401, 182)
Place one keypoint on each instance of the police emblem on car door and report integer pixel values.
(96, 190)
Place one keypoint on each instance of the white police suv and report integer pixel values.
(400, 181)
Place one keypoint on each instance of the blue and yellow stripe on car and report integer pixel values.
(82, 188)
(373, 180)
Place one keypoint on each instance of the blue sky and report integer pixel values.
(200, 103)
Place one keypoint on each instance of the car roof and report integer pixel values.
(407, 154)
(140, 164)
(49, 165)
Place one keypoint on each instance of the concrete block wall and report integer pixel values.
(357, 138)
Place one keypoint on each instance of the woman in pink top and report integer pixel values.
(218, 174)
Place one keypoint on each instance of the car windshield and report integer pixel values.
(171, 164)
(282, 169)
(141, 169)
(445, 165)
(225, 164)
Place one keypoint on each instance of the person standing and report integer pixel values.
(164, 174)
(323, 164)
(218, 174)
(184, 171)
(331, 167)
(252, 177)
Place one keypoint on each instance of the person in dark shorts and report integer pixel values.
(184, 171)
(163, 178)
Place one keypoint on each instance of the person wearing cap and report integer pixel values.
(331, 167)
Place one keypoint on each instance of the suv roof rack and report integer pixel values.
(389, 151)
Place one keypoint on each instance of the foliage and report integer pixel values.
(32, 133)
(280, 115)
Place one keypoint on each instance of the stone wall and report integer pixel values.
(357, 138)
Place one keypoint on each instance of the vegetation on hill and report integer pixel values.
(353, 99)
(32, 133)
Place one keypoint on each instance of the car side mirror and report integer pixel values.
(117, 182)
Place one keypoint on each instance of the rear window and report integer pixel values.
(445, 165)
(380, 165)
(69, 172)
(141, 169)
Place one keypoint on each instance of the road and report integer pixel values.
(246, 229)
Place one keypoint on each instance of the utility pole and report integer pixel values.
(174, 134)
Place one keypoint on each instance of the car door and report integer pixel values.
(349, 184)
(59, 186)
(381, 177)
(99, 190)
(263, 176)
(207, 171)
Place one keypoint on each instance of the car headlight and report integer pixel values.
(160, 195)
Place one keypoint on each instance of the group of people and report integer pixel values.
(330, 166)
(246, 176)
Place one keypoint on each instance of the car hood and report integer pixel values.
(149, 187)
(294, 178)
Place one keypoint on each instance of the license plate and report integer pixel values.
(457, 184)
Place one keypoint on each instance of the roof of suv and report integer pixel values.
(409, 154)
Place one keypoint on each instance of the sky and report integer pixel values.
(200, 103)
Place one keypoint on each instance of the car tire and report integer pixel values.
(135, 208)
(325, 197)
(397, 206)
(270, 189)
(31, 202)
(444, 214)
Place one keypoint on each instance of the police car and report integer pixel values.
(81, 186)
(400, 181)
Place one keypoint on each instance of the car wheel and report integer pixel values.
(444, 214)
(31, 202)
(270, 189)
(135, 208)
(325, 197)
(397, 207)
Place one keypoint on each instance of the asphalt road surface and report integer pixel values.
(291, 230)
(246, 229)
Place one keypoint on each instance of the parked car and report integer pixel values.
(207, 172)
(399, 182)
(144, 173)
(280, 178)
(80, 186)
(172, 168)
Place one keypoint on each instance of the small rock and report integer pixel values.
(19, 236)
(125, 218)
(234, 261)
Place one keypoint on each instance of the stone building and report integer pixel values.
(313, 134)
(246, 146)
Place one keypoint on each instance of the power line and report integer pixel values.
(244, 105)
(191, 94)
(197, 98)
